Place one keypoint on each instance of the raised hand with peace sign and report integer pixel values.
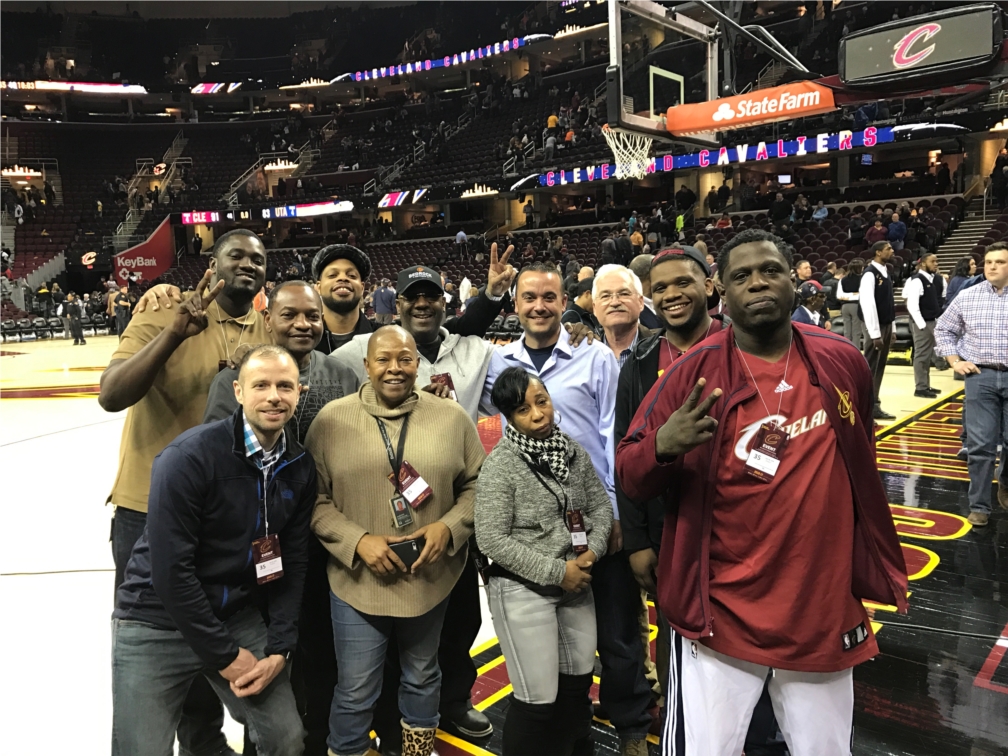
(689, 426)
(501, 274)
(191, 318)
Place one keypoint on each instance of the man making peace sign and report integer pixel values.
(761, 442)
(161, 373)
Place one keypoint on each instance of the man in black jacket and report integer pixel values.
(681, 282)
(226, 542)
(73, 312)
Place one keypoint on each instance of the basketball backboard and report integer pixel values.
(657, 59)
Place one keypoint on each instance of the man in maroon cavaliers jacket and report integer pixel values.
(778, 524)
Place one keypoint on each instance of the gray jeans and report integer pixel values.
(542, 637)
(924, 344)
(986, 419)
(853, 325)
(152, 669)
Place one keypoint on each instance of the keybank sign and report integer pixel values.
(798, 147)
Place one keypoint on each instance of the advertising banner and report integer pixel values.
(786, 102)
(149, 259)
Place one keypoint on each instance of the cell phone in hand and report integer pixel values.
(409, 551)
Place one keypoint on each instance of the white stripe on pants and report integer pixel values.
(716, 694)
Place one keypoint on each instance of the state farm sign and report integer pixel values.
(149, 259)
(795, 100)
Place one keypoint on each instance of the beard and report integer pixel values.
(687, 328)
(342, 306)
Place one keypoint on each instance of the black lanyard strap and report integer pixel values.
(395, 458)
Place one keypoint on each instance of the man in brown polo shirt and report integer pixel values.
(161, 374)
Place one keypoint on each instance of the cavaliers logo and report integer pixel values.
(772, 439)
(845, 407)
(88, 258)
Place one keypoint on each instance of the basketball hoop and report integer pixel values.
(632, 151)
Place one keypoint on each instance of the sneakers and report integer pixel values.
(880, 414)
(466, 723)
(978, 519)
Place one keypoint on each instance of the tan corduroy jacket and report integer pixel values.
(354, 491)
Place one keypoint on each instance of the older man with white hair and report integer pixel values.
(618, 301)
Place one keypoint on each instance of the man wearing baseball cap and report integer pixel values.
(811, 298)
(340, 271)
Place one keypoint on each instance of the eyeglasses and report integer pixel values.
(605, 297)
(413, 296)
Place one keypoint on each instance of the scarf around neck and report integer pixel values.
(553, 452)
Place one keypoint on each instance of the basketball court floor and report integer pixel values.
(939, 687)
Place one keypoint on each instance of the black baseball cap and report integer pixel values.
(809, 290)
(673, 253)
(341, 252)
(418, 274)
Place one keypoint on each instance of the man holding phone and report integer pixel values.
(397, 478)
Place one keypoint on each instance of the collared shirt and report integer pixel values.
(975, 326)
(264, 458)
(813, 316)
(867, 299)
(177, 399)
(625, 354)
(582, 384)
(913, 290)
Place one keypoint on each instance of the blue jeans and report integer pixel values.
(361, 642)
(152, 669)
(624, 691)
(199, 730)
(986, 420)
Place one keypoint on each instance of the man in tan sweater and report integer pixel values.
(427, 515)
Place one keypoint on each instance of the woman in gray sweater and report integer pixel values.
(543, 517)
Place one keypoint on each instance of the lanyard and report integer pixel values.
(564, 505)
(395, 459)
(783, 378)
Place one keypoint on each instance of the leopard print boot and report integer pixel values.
(418, 741)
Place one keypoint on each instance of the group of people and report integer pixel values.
(323, 471)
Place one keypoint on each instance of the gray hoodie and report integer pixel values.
(519, 525)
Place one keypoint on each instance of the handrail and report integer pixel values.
(509, 166)
(600, 90)
(245, 176)
(49, 163)
(370, 186)
(169, 154)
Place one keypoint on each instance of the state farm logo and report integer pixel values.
(723, 113)
(776, 106)
(903, 57)
(138, 262)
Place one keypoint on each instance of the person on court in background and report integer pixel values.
(161, 373)
(925, 296)
(293, 319)
(192, 606)
(543, 516)
(761, 443)
(973, 335)
(812, 298)
(73, 311)
(877, 307)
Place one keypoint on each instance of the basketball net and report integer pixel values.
(632, 151)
